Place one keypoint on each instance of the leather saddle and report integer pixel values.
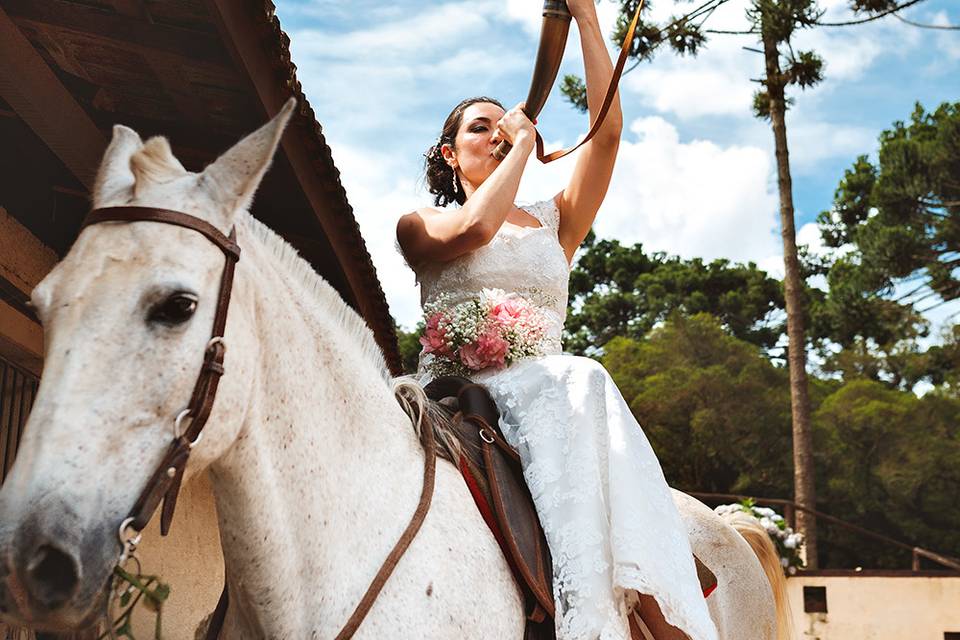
(493, 473)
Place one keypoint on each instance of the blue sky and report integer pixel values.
(695, 175)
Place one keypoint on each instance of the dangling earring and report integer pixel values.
(456, 188)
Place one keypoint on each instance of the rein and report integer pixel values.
(164, 484)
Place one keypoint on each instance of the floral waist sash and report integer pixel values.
(491, 330)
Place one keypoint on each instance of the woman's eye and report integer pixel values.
(176, 309)
(478, 129)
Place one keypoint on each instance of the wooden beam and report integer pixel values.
(119, 29)
(21, 339)
(29, 86)
(24, 259)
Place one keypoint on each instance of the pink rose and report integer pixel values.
(509, 312)
(434, 338)
(488, 350)
(493, 348)
(470, 358)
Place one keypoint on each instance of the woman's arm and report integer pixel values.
(430, 235)
(579, 202)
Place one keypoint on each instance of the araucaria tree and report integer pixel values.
(774, 23)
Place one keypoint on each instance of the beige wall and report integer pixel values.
(878, 608)
(188, 559)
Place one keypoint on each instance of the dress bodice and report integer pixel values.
(528, 261)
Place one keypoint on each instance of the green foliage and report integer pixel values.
(137, 589)
(709, 403)
(718, 416)
(805, 70)
(623, 291)
(889, 462)
(894, 227)
(576, 92)
(872, 6)
(408, 343)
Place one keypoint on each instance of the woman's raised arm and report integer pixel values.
(489, 187)
(581, 199)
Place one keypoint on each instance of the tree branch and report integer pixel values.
(946, 27)
(903, 5)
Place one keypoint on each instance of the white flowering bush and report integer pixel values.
(785, 539)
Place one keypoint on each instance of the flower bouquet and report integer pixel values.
(493, 330)
(784, 538)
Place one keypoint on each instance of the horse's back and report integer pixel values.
(742, 606)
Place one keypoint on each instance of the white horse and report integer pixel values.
(315, 466)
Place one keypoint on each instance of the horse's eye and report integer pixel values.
(176, 309)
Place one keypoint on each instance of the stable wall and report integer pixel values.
(879, 606)
(189, 559)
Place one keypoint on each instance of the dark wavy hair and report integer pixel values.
(439, 174)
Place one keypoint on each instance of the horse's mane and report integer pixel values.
(322, 299)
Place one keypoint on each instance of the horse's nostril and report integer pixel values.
(52, 576)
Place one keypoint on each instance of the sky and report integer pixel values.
(695, 175)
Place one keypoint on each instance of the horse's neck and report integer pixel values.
(324, 474)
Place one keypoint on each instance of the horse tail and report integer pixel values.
(758, 539)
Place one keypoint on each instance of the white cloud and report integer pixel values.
(947, 41)
(433, 28)
(685, 198)
(380, 190)
(690, 198)
(812, 142)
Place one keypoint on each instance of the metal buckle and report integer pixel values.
(128, 543)
(484, 436)
(178, 423)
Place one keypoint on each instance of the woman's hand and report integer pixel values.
(581, 9)
(514, 126)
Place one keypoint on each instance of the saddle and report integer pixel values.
(492, 471)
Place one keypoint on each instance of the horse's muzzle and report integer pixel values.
(50, 580)
(51, 576)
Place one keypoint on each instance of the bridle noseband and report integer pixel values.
(165, 482)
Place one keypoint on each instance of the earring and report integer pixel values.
(456, 187)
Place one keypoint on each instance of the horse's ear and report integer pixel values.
(236, 174)
(115, 179)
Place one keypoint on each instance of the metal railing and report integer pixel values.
(18, 388)
(790, 509)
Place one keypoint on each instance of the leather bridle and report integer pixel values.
(164, 483)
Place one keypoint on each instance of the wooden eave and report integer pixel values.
(202, 73)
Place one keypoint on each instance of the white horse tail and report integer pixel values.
(758, 539)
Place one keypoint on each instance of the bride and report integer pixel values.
(617, 541)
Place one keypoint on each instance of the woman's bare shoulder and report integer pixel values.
(414, 222)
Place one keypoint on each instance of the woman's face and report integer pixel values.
(473, 158)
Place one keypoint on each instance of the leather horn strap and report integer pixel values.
(607, 100)
(165, 482)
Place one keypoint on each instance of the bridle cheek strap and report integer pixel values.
(165, 482)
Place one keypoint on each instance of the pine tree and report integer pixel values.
(774, 22)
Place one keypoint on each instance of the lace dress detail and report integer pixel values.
(599, 490)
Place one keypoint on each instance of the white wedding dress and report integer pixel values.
(598, 487)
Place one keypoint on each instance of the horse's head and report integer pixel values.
(127, 315)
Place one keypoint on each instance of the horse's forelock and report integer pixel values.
(155, 162)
